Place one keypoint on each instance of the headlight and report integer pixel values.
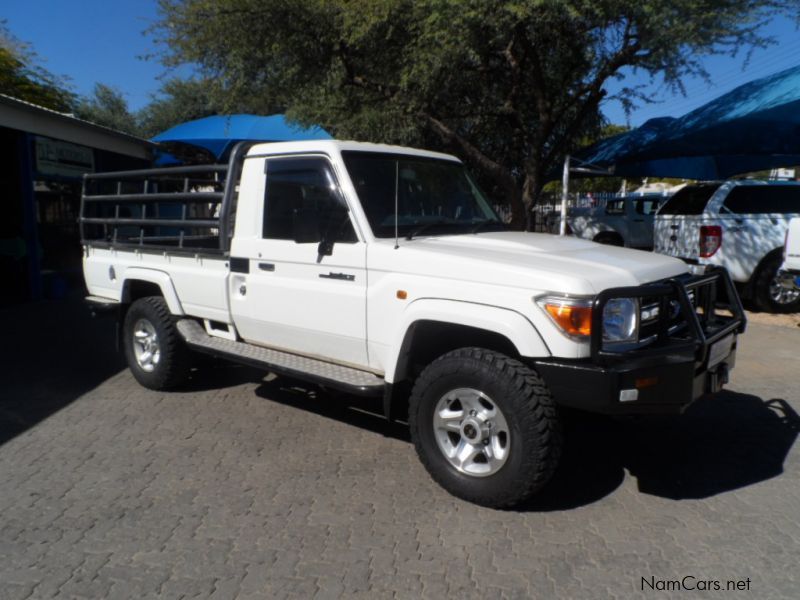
(621, 320)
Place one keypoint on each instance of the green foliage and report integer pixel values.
(179, 100)
(22, 77)
(107, 106)
(510, 86)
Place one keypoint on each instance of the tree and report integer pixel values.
(178, 101)
(21, 75)
(510, 86)
(107, 106)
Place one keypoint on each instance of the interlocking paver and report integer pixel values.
(241, 486)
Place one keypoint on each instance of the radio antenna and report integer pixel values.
(396, 204)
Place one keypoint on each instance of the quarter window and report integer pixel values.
(761, 199)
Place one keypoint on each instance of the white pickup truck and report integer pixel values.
(789, 273)
(739, 225)
(383, 271)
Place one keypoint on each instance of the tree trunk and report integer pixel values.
(518, 218)
(531, 192)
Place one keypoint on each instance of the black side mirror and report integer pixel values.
(325, 248)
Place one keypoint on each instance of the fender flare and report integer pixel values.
(160, 278)
(511, 324)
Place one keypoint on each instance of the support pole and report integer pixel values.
(564, 195)
(30, 225)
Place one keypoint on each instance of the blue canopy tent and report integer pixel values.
(212, 138)
(753, 127)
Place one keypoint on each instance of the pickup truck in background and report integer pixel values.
(739, 225)
(789, 274)
(383, 271)
(625, 221)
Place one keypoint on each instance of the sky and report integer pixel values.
(92, 41)
(104, 41)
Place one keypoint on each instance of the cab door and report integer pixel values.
(301, 286)
(640, 216)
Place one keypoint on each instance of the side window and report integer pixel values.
(647, 206)
(302, 202)
(615, 207)
(761, 199)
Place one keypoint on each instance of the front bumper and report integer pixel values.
(664, 384)
(686, 357)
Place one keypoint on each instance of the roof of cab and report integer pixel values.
(336, 146)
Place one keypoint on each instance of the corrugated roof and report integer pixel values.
(16, 102)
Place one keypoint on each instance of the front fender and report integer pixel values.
(160, 278)
(509, 323)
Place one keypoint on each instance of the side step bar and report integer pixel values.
(347, 379)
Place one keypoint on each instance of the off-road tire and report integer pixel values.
(534, 427)
(763, 278)
(174, 363)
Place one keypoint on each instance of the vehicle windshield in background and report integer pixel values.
(434, 196)
(691, 200)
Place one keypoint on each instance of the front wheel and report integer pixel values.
(485, 427)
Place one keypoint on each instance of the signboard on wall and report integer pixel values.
(54, 157)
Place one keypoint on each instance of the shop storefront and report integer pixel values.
(43, 156)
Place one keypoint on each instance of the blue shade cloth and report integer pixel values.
(755, 126)
(218, 134)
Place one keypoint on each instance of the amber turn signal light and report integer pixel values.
(573, 319)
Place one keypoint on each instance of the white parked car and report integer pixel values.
(789, 273)
(739, 225)
(383, 271)
(625, 221)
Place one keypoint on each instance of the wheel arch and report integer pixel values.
(609, 233)
(445, 324)
(139, 283)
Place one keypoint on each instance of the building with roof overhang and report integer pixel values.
(44, 156)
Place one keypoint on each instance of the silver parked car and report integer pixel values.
(625, 221)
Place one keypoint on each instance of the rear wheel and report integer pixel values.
(769, 294)
(485, 427)
(155, 351)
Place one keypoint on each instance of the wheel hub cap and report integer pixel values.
(781, 294)
(471, 432)
(146, 349)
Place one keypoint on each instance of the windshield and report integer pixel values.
(437, 196)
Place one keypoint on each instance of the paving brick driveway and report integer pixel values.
(239, 487)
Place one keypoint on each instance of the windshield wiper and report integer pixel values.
(486, 223)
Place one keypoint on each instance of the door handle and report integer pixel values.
(266, 266)
(342, 276)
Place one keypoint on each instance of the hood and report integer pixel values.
(538, 260)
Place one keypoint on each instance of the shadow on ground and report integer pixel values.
(52, 353)
(720, 444)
